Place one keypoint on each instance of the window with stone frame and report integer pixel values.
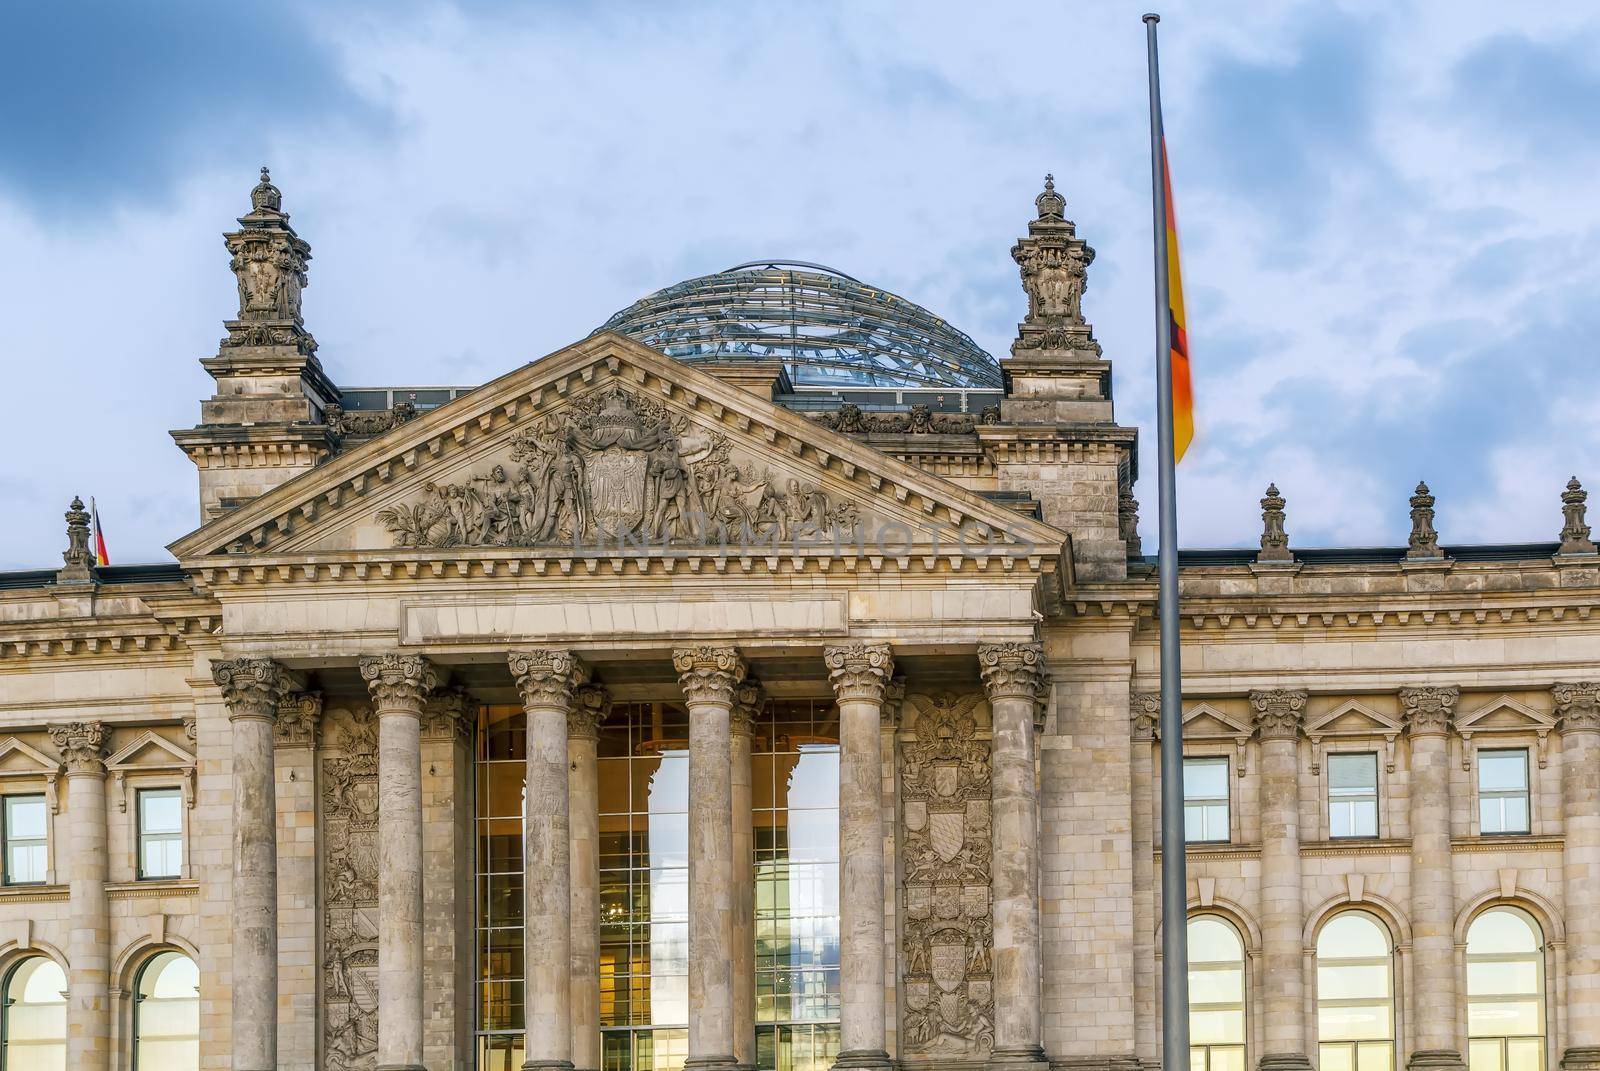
(1205, 799)
(1503, 791)
(160, 818)
(1352, 794)
(24, 825)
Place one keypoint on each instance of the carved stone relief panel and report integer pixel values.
(947, 935)
(617, 466)
(350, 891)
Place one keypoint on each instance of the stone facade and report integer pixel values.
(606, 525)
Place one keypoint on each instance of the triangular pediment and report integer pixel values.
(1353, 718)
(1505, 714)
(18, 759)
(610, 449)
(149, 750)
(1204, 720)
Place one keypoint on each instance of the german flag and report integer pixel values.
(100, 556)
(1182, 388)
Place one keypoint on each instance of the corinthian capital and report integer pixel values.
(399, 682)
(447, 714)
(708, 674)
(252, 687)
(1578, 705)
(1278, 712)
(299, 719)
(859, 671)
(1429, 709)
(589, 706)
(1013, 671)
(82, 745)
(747, 700)
(1146, 714)
(547, 678)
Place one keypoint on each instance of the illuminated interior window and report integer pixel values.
(1216, 995)
(1355, 995)
(35, 1024)
(166, 1014)
(1505, 992)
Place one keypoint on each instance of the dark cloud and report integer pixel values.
(108, 101)
(1536, 94)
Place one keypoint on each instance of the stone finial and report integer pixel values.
(1013, 671)
(1578, 705)
(1054, 263)
(299, 721)
(1051, 205)
(78, 558)
(399, 682)
(547, 678)
(1146, 715)
(1128, 522)
(1429, 709)
(590, 704)
(1274, 540)
(253, 687)
(1575, 532)
(859, 671)
(1424, 540)
(82, 745)
(1278, 712)
(266, 197)
(709, 674)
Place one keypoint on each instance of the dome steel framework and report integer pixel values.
(828, 329)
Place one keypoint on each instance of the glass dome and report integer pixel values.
(828, 329)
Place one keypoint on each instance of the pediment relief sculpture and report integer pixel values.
(616, 466)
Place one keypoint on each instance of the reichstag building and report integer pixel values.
(766, 681)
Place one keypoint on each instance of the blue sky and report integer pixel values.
(1387, 212)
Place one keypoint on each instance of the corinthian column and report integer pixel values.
(860, 676)
(1578, 706)
(742, 718)
(252, 688)
(583, 800)
(1427, 714)
(547, 680)
(83, 750)
(297, 732)
(400, 686)
(1278, 715)
(709, 676)
(1013, 675)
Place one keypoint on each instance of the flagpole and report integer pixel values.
(1174, 880)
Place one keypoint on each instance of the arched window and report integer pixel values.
(166, 1014)
(1355, 994)
(1216, 995)
(1505, 992)
(33, 1023)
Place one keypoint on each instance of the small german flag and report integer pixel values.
(1182, 388)
(100, 556)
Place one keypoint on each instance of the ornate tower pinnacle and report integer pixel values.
(79, 565)
(1054, 263)
(1424, 540)
(1575, 531)
(1274, 540)
(269, 261)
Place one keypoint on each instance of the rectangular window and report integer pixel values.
(1503, 791)
(160, 833)
(1205, 800)
(1353, 795)
(24, 820)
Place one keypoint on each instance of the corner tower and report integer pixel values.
(265, 424)
(1058, 437)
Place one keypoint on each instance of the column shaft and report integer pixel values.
(583, 796)
(253, 688)
(747, 706)
(448, 722)
(1428, 712)
(547, 680)
(709, 676)
(82, 747)
(1579, 708)
(296, 761)
(400, 685)
(1014, 677)
(1278, 715)
(1146, 1027)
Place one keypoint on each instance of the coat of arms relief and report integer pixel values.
(616, 466)
(948, 938)
(350, 893)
